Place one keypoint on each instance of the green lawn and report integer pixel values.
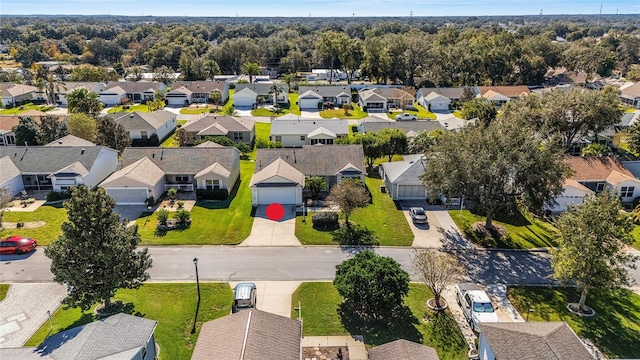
(4, 288)
(320, 304)
(171, 305)
(213, 223)
(139, 108)
(636, 237)
(201, 109)
(524, 232)
(630, 110)
(171, 141)
(422, 113)
(356, 113)
(458, 114)
(26, 107)
(293, 108)
(615, 329)
(52, 215)
(381, 217)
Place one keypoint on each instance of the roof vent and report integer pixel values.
(82, 151)
(131, 116)
(153, 156)
(60, 142)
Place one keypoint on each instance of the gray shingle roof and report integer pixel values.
(402, 350)
(261, 88)
(49, 159)
(228, 122)
(386, 93)
(135, 86)
(138, 120)
(405, 126)
(629, 119)
(120, 334)
(326, 91)
(453, 93)
(323, 160)
(304, 127)
(255, 334)
(199, 86)
(534, 340)
(402, 171)
(70, 140)
(278, 168)
(9, 170)
(189, 160)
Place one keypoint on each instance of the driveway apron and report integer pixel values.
(274, 296)
(267, 232)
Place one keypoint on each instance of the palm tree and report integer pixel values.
(83, 101)
(251, 69)
(215, 96)
(275, 89)
(211, 69)
(288, 78)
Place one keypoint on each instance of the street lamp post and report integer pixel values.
(195, 319)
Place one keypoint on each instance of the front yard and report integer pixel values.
(213, 223)
(636, 237)
(356, 113)
(171, 141)
(422, 113)
(4, 289)
(130, 108)
(171, 305)
(293, 108)
(381, 217)
(52, 215)
(26, 107)
(320, 303)
(615, 328)
(524, 231)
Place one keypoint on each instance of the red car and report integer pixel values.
(17, 245)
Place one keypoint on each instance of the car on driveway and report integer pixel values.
(17, 245)
(244, 297)
(406, 117)
(418, 216)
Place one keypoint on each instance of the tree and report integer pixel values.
(495, 166)
(83, 101)
(112, 134)
(96, 253)
(332, 44)
(370, 146)
(315, 184)
(288, 79)
(51, 129)
(163, 74)
(592, 238)
(372, 286)
(422, 143)
(467, 95)
(86, 72)
(436, 270)
(276, 90)
(82, 126)
(392, 142)
(211, 68)
(184, 138)
(215, 96)
(483, 110)
(251, 69)
(349, 195)
(6, 197)
(27, 132)
(595, 150)
(633, 137)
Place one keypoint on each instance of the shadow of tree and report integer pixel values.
(401, 325)
(442, 325)
(355, 235)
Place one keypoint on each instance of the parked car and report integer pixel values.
(418, 215)
(406, 117)
(475, 304)
(244, 297)
(17, 245)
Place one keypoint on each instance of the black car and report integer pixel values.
(418, 215)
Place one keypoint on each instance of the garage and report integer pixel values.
(177, 100)
(406, 192)
(245, 98)
(280, 195)
(437, 102)
(309, 100)
(128, 196)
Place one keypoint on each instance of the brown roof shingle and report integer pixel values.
(594, 169)
(509, 91)
(402, 350)
(321, 160)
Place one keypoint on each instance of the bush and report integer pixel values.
(180, 204)
(153, 140)
(219, 194)
(183, 216)
(325, 220)
(140, 142)
(163, 216)
(57, 196)
(150, 201)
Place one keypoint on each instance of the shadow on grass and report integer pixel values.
(442, 325)
(402, 325)
(354, 235)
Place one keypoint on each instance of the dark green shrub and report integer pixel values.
(219, 194)
(153, 140)
(56, 196)
(163, 216)
(325, 220)
(183, 216)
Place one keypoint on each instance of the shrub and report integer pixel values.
(163, 216)
(180, 204)
(140, 142)
(150, 201)
(325, 220)
(56, 196)
(218, 194)
(153, 140)
(183, 216)
(172, 193)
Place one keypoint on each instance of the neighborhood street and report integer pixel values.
(229, 263)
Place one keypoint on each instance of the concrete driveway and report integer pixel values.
(274, 296)
(131, 212)
(266, 232)
(425, 235)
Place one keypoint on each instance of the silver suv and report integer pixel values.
(244, 297)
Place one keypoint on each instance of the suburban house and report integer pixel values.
(250, 334)
(117, 92)
(327, 74)
(627, 120)
(593, 175)
(59, 167)
(410, 128)
(630, 95)
(279, 173)
(7, 122)
(243, 97)
(439, 99)
(146, 172)
(187, 92)
(13, 94)
(310, 96)
(530, 340)
(235, 128)
(402, 350)
(67, 87)
(143, 125)
(500, 95)
(296, 133)
(121, 336)
(70, 140)
(383, 99)
(402, 178)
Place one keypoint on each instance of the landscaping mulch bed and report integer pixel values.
(325, 353)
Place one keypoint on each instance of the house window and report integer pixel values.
(143, 134)
(278, 138)
(212, 184)
(303, 138)
(627, 191)
(600, 187)
(182, 178)
(64, 188)
(237, 136)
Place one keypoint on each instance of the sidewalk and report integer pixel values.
(24, 310)
(506, 311)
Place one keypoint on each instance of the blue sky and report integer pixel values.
(315, 8)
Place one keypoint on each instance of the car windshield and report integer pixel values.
(419, 212)
(482, 307)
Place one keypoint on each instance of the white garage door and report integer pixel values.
(176, 100)
(437, 105)
(310, 104)
(411, 192)
(243, 102)
(281, 195)
(128, 196)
